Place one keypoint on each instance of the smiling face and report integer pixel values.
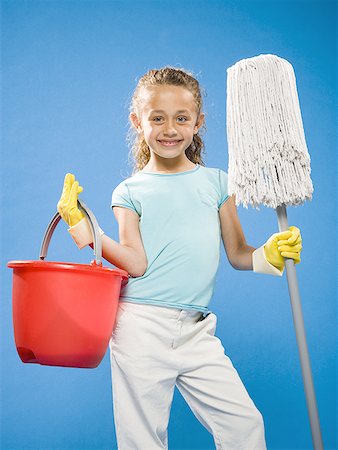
(168, 120)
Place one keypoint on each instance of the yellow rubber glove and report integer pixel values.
(67, 205)
(287, 244)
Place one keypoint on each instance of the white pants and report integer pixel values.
(154, 348)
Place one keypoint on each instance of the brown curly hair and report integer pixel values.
(139, 154)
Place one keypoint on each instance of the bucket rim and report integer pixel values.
(42, 264)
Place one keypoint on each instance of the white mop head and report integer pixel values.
(268, 158)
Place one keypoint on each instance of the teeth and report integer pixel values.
(169, 143)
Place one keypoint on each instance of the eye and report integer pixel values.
(182, 119)
(157, 119)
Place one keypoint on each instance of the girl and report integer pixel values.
(172, 213)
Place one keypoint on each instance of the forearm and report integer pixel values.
(242, 258)
(123, 257)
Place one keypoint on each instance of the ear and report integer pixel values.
(199, 122)
(135, 122)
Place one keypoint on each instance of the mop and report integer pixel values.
(269, 164)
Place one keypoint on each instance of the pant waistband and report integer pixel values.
(177, 313)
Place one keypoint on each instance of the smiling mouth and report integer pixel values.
(170, 143)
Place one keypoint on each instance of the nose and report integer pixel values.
(169, 129)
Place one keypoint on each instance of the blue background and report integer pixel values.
(69, 69)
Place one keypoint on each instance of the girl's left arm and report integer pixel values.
(269, 258)
(239, 253)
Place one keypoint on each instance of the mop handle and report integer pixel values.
(301, 338)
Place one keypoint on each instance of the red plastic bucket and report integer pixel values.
(64, 313)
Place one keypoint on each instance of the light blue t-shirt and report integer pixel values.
(180, 229)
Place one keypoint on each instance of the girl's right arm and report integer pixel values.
(128, 255)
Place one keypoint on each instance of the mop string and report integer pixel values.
(268, 158)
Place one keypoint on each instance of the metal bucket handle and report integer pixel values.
(93, 224)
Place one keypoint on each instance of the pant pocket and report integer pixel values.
(212, 323)
(203, 317)
(122, 312)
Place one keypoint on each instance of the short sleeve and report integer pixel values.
(223, 183)
(121, 197)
